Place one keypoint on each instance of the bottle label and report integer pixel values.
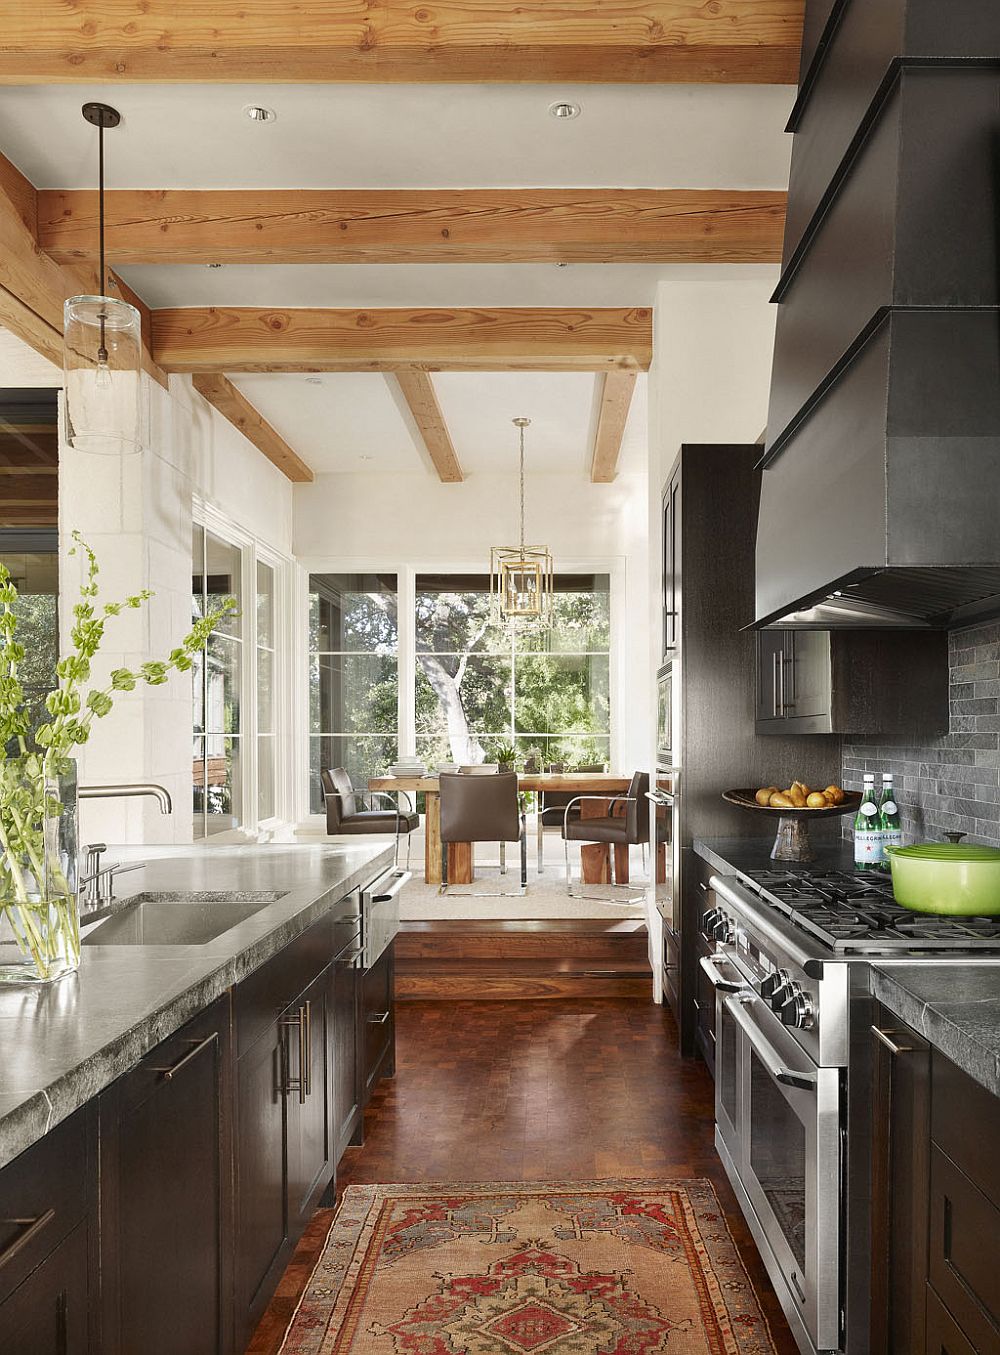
(867, 847)
(869, 809)
(890, 807)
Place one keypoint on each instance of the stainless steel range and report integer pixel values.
(793, 1037)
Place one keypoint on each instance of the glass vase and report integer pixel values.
(39, 905)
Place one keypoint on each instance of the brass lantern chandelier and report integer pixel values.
(102, 347)
(522, 577)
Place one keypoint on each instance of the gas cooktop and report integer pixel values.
(858, 913)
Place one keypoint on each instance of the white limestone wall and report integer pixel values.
(137, 513)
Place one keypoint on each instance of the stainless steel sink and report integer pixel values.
(176, 919)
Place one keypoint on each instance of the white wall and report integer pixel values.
(357, 521)
(137, 513)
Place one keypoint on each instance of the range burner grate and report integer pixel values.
(858, 913)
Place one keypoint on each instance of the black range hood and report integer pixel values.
(880, 491)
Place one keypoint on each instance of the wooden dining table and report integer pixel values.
(595, 857)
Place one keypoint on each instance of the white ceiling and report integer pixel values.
(405, 284)
(404, 136)
(358, 422)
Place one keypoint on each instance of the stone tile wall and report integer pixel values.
(951, 783)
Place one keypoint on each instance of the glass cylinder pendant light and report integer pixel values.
(102, 347)
(521, 576)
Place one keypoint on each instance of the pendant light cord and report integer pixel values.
(521, 431)
(102, 352)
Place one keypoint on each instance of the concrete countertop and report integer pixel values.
(62, 1043)
(956, 1008)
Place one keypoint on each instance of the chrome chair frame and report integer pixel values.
(610, 801)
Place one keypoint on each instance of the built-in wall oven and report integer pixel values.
(779, 1115)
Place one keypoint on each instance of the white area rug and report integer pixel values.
(546, 899)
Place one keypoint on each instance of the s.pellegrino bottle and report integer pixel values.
(867, 834)
(888, 816)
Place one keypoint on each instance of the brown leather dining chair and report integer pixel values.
(617, 830)
(346, 812)
(550, 813)
(482, 809)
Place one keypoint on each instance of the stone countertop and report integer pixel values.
(728, 854)
(955, 1007)
(62, 1043)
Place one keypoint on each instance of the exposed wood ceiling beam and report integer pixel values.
(419, 394)
(33, 286)
(234, 406)
(731, 41)
(250, 339)
(523, 225)
(616, 397)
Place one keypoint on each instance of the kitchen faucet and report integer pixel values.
(97, 885)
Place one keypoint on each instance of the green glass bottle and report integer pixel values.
(888, 817)
(867, 834)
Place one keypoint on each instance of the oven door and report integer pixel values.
(779, 1117)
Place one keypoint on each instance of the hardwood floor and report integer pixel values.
(513, 1091)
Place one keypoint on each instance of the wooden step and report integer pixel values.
(522, 959)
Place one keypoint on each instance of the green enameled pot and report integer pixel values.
(953, 878)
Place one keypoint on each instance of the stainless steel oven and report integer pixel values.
(778, 1118)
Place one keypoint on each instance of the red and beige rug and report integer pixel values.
(571, 1268)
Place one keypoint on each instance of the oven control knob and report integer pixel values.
(723, 929)
(709, 920)
(797, 1010)
(777, 988)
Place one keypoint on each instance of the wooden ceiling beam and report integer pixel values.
(523, 225)
(251, 339)
(33, 286)
(633, 41)
(233, 405)
(616, 398)
(419, 394)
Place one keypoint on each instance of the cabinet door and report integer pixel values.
(261, 1198)
(379, 1034)
(307, 1114)
(345, 1050)
(808, 677)
(47, 1313)
(166, 1223)
(671, 564)
(900, 1178)
(770, 675)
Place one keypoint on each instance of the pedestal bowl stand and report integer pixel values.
(791, 842)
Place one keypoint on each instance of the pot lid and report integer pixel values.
(947, 851)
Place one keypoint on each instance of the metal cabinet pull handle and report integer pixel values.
(32, 1227)
(300, 1022)
(716, 979)
(775, 703)
(379, 1018)
(198, 1047)
(305, 1060)
(769, 1057)
(891, 1045)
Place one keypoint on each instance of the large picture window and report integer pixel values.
(353, 676)
(480, 684)
(33, 560)
(217, 688)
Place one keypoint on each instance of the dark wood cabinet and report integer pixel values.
(935, 1201)
(378, 1024)
(48, 1313)
(166, 1196)
(345, 1003)
(891, 684)
(308, 1102)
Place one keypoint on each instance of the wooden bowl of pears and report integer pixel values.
(795, 806)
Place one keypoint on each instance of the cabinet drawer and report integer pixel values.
(959, 1102)
(378, 1034)
(267, 992)
(44, 1193)
(943, 1336)
(49, 1314)
(964, 1245)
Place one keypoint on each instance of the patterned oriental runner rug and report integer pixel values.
(533, 1268)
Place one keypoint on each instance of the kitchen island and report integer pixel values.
(180, 1101)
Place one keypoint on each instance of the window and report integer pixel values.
(267, 762)
(217, 688)
(478, 684)
(353, 676)
(33, 560)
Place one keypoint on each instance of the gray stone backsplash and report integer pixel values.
(950, 784)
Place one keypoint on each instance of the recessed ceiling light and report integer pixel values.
(258, 113)
(364, 456)
(214, 265)
(563, 109)
(314, 381)
(562, 264)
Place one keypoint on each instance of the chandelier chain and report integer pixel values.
(521, 430)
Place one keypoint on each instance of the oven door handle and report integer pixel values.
(708, 963)
(768, 1056)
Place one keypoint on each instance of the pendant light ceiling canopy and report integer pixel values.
(522, 577)
(102, 346)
